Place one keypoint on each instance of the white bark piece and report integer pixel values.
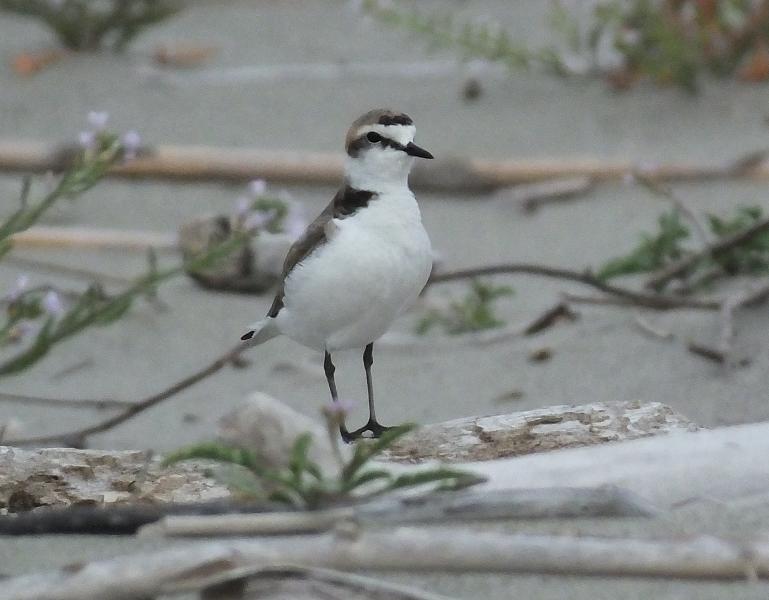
(725, 464)
(196, 566)
(439, 508)
(539, 430)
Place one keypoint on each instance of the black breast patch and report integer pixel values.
(348, 201)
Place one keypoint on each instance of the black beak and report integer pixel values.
(413, 150)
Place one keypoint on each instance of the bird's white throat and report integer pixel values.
(381, 169)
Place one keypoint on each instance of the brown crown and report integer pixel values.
(380, 116)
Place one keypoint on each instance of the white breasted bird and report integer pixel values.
(363, 261)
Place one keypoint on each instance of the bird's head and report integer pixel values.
(380, 150)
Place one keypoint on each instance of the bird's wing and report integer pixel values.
(345, 203)
(313, 236)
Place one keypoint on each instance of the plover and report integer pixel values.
(362, 261)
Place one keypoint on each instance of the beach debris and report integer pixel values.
(534, 431)
(67, 476)
(183, 56)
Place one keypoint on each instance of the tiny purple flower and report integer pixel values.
(131, 141)
(340, 408)
(257, 188)
(52, 304)
(256, 220)
(98, 119)
(87, 140)
(22, 281)
(242, 207)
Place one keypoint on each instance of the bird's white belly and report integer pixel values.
(350, 290)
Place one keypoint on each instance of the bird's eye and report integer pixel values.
(373, 137)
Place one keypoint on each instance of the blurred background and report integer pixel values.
(603, 140)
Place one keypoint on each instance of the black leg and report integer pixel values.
(329, 368)
(373, 425)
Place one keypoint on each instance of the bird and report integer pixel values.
(362, 262)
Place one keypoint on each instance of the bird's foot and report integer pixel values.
(374, 428)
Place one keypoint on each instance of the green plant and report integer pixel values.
(39, 318)
(652, 252)
(92, 24)
(658, 250)
(666, 41)
(302, 484)
(471, 39)
(475, 312)
(751, 257)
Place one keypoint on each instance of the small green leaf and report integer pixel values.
(366, 450)
(298, 462)
(366, 477)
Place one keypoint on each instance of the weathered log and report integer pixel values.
(59, 477)
(439, 508)
(193, 567)
(450, 175)
(292, 583)
(724, 464)
(539, 430)
(63, 476)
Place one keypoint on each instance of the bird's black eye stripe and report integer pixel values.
(373, 137)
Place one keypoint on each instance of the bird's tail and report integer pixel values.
(260, 332)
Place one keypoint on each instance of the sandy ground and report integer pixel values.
(602, 357)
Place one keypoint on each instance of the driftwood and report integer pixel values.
(293, 583)
(42, 236)
(725, 464)
(193, 567)
(242, 164)
(539, 430)
(60, 477)
(48, 477)
(439, 508)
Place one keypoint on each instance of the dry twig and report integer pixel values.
(243, 164)
(664, 191)
(93, 403)
(647, 300)
(79, 437)
(722, 352)
(409, 549)
(494, 505)
(659, 279)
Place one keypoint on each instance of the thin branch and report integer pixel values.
(659, 279)
(647, 300)
(78, 437)
(410, 549)
(95, 403)
(461, 507)
(722, 351)
(597, 300)
(663, 191)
